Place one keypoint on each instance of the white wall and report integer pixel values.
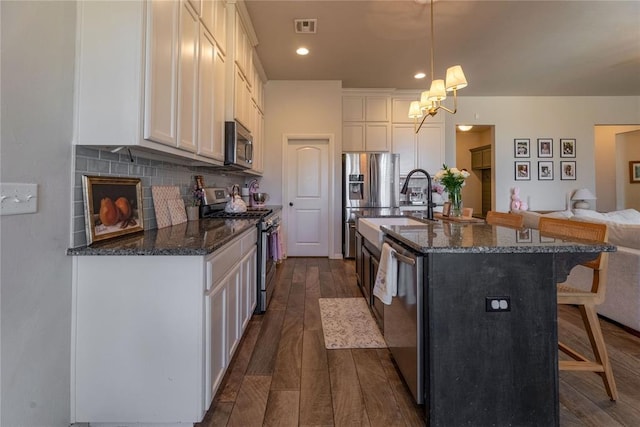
(541, 117)
(37, 89)
(302, 107)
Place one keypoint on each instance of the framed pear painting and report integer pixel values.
(112, 207)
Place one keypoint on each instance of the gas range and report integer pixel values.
(215, 200)
(216, 210)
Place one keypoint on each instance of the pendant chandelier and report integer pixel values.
(431, 100)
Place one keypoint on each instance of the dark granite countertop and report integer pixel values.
(190, 238)
(449, 237)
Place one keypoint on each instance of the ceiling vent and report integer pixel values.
(305, 26)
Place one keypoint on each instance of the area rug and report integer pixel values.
(347, 323)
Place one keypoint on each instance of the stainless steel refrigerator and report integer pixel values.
(369, 180)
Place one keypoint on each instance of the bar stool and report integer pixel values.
(505, 219)
(585, 300)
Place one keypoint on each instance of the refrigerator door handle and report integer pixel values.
(374, 183)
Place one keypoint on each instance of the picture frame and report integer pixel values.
(545, 147)
(568, 171)
(523, 235)
(522, 171)
(567, 147)
(446, 209)
(112, 207)
(545, 170)
(634, 172)
(521, 147)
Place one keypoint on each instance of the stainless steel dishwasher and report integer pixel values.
(404, 320)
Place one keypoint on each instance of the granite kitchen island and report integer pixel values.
(473, 328)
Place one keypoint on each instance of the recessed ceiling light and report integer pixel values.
(465, 128)
(420, 76)
(302, 51)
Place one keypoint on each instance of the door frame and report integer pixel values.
(330, 137)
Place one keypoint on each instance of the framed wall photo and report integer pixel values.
(521, 147)
(567, 147)
(545, 147)
(545, 171)
(523, 235)
(112, 207)
(634, 172)
(522, 171)
(568, 171)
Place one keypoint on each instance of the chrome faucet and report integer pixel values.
(430, 204)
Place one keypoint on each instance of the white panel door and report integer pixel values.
(308, 197)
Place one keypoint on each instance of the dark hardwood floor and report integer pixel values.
(282, 375)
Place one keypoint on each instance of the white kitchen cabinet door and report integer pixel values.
(217, 334)
(234, 328)
(404, 143)
(430, 149)
(258, 139)
(161, 90)
(188, 79)
(220, 32)
(377, 109)
(400, 110)
(353, 109)
(219, 87)
(210, 98)
(248, 287)
(377, 137)
(353, 137)
(206, 94)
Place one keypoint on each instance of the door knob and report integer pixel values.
(290, 203)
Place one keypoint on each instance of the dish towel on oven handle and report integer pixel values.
(386, 285)
(275, 243)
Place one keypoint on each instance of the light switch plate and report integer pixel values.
(16, 199)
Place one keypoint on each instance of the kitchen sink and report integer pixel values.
(369, 228)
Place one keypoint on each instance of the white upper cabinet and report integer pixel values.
(424, 150)
(214, 18)
(161, 91)
(366, 123)
(377, 109)
(142, 78)
(188, 79)
(211, 98)
(353, 108)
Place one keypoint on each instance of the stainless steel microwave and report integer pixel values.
(238, 146)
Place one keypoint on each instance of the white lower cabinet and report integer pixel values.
(152, 336)
(231, 283)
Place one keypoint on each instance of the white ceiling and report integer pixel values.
(506, 48)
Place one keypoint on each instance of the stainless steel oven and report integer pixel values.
(268, 254)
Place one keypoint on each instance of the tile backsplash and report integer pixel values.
(96, 162)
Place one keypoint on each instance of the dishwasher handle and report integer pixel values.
(404, 259)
